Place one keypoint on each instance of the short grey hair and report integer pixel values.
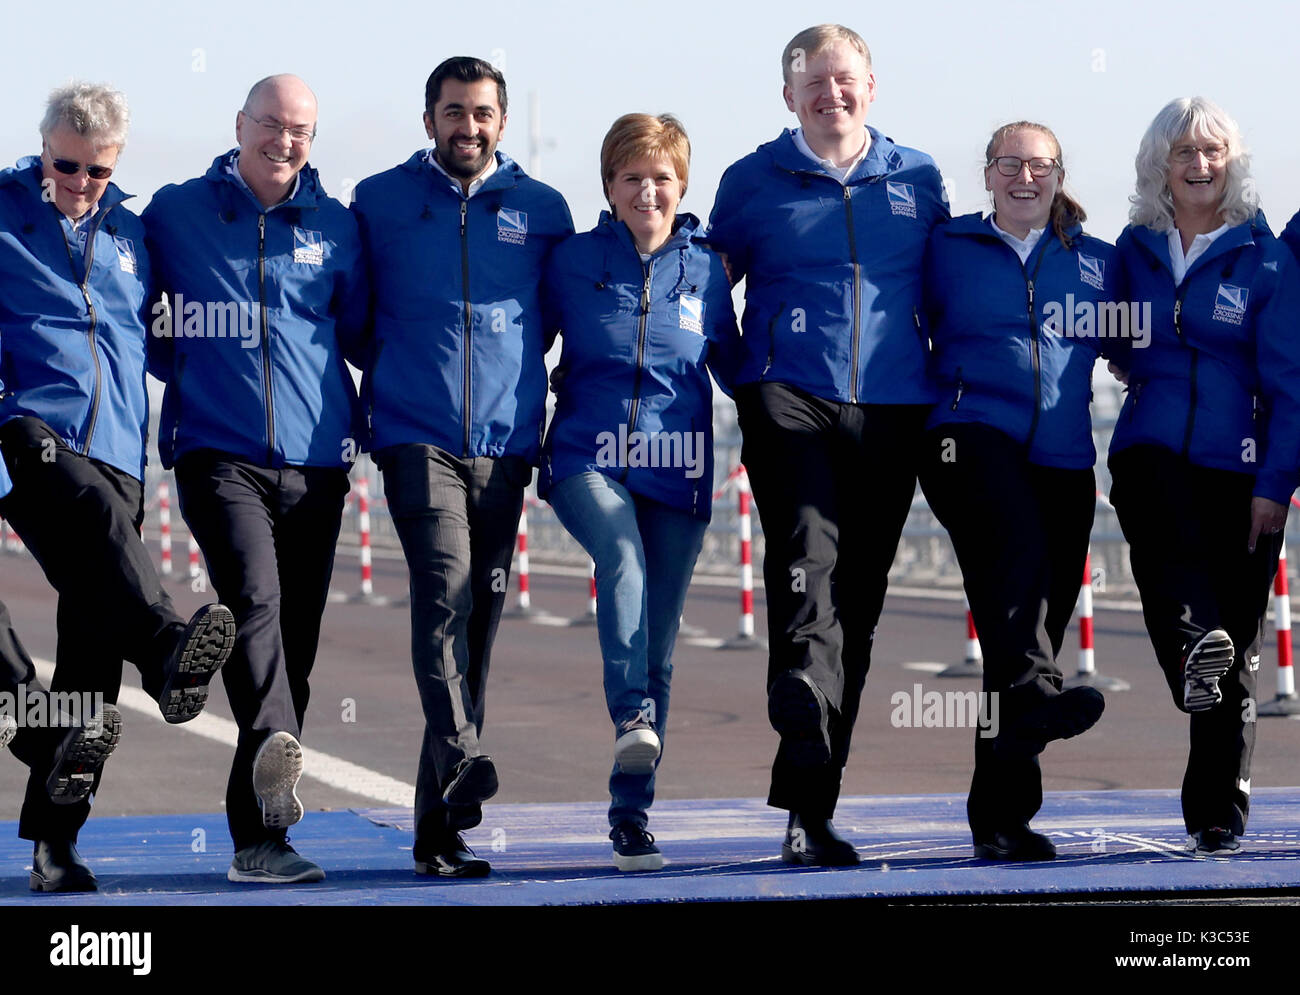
(93, 110)
(1153, 203)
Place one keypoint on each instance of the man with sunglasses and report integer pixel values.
(262, 272)
(73, 421)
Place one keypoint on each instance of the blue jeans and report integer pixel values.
(645, 553)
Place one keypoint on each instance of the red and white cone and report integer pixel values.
(1087, 675)
(165, 528)
(589, 616)
(1286, 702)
(745, 638)
(972, 664)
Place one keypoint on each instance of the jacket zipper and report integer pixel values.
(180, 370)
(467, 410)
(648, 273)
(1195, 355)
(370, 392)
(857, 269)
(266, 339)
(1035, 356)
(771, 337)
(84, 284)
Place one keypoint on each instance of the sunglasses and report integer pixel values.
(70, 168)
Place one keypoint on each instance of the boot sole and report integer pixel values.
(209, 640)
(276, 770)
(81, 756)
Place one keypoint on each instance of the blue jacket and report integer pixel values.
(1029, 377)
(633, 397)
(459, 335)
(833, 272)
(265, 305)
(1220, 381)
(73, 327)
(1291, 235)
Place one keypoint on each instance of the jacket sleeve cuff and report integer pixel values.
(1276, 485)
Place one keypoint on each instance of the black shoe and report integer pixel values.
(634, 848)
(454, 859)
(56, 866)
(475, 781)
(1018, 845)
(815, 843)
(81, 756)
(800, 713)
(204, 646)
(1061, 716)
(1204, 663)
(1215, 843)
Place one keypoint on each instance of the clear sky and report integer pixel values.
(947, 74)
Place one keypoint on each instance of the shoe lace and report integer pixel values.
(630, 834)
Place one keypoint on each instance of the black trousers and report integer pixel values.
(1187, 528)
(457, 520)
(268, 537)
(18, 678)
(80, 518)
(1020, 532)
(833, 483)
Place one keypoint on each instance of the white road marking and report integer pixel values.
(323, 767)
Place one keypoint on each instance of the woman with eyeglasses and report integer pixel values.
(1013, 302)
(1204, 455)
(646, 314)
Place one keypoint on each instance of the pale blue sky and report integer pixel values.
(947, 74)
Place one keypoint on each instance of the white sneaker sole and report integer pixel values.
(8, 730)
(1207, 661)
(635, 752)
(276, 770)
(645, 862)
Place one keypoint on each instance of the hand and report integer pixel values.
(1266, 518)
(726, 265)
(1117, 373)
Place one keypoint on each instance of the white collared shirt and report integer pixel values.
(841, 173)
(1200, 243)
(476, 184)
(76, 230)
(233, 170)
(1023, 246)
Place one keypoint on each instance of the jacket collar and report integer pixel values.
(1157, 242)
(978, 225)
(27, 173)
(685, 229)
(309, 188)
(506, 176)
(883, 157)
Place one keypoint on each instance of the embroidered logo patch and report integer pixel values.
(512, 226)
(690, 311)
(1092, 271)
(125, 254)
(308, 247)
(1230, 303)
(902, 198)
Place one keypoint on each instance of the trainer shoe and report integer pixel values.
(814, 842)
(799, 711)
(474, 781)
(1021, 844)
(81, 756)
(276, 769)
(637, 748)
(204, 646)
(8, 729)
(272, 862)
(634, 848)
(1205, 661)
(1215, 843)
(453, 859)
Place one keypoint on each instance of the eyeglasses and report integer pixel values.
(1010, 165)
(299, 135)
(68, 167)
(1188, 153)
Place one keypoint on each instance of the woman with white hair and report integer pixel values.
(1204, 455)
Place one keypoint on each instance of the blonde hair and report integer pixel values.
(1066, 211)
(645, 136)
(811, 41)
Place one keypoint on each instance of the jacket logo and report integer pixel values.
(1092, 271)
(308, 247)
(1230, 303)
(125, 254)
(902, 198)
(512, 226)
(690, 314)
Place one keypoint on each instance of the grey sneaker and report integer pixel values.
(273, 862)
(276, 769)
(637, 747)
(8, 729)
(1207, 660)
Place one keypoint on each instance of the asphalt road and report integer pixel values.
(550, 735)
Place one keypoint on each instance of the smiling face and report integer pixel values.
(830, 97)
(269, 156)
(466, 125)
(74, 194)
(644, 195)
(1197, 185)
(1023, 201)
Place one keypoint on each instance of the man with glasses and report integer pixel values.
(73, 419)
(261, 272)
